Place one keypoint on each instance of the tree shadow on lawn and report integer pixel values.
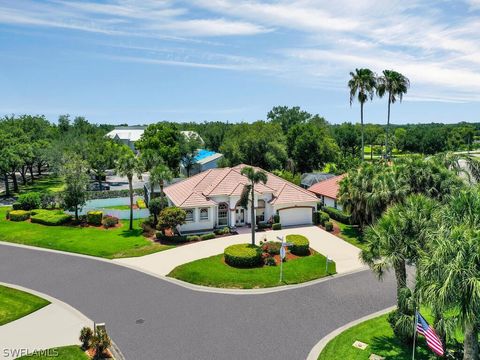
(126, 233)
(393, 349)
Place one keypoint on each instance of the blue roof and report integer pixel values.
(202, 154)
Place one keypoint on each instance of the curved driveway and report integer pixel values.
(184, 324)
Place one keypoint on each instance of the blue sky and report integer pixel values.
(136, 62)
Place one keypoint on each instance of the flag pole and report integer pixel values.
(414, 333)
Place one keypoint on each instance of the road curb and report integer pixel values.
(317, 349)
(189, 286)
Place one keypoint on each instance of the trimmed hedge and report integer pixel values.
(276, 219)
(262, 226)
(338, 215)
(177, 239)
(223, 231)
(323, 217)
(208, 236)
(276, 226)
(193, 238)
(243, 255)
(109, 194)
(95, 218)
(300, 245)
(50, 217)
(328, 226)
(18, 215)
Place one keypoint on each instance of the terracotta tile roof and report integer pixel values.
(198, 190)
(328, 188)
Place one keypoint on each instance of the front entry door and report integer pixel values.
(240, 216)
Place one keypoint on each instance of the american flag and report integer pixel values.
(433, 341)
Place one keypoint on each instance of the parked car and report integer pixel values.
(96, 187)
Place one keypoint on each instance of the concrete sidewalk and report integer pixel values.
(344, 254)
(57, 324)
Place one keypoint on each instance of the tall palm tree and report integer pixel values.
(158, 175)
(362, 85)
(395, 85)
(255, 177)
(128, 165)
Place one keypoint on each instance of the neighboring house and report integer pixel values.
(128, 135)
(308, 179)
(211, 200)
(327, 191)
(204, 160)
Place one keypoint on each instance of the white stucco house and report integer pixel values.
(327, 191)
(211, 200)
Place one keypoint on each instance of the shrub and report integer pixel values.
(48, 200)
(109, 221)
(300, 245)
(7, 215)
(261, 226)
(86, 335)
(50, 217)
(171, 217)
(272, 247)
(270, 261)
(16, 206)
(19, 215)
(338, 215)
(276, 219)
(177, 239)
(95, 218)
(328, 226)
(141, 204)
(323, 218)
(243, 255)
(29, 201)
(193, 238)
(276, 226)
(208, 236)
(100, 342)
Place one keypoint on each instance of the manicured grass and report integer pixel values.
(212, 271)
(117, 207)
(47, 183)
(72, 352)
(378, 334)
(15, 304)
(112, 243)
(350, 234)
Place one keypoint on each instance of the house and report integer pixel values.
(211, 200)
(308, 179)
(327, 191)
(204, 160)
(128, 135)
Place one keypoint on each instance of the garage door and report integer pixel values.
(295, 216)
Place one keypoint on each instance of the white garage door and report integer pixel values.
(295, 216)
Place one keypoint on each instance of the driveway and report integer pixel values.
(344, 254)
(149, 318)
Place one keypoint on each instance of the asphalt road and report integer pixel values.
(179, 323)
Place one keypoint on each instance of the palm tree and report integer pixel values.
(254, 177)
(362, 85)
(158, 175)
(395, 85)
(398, 237)
(128, 165)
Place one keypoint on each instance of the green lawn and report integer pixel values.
(378, 334)
(44, 184)
(15, 304)
(72, 352)
(212, 271)
(350, 234)
(112, 243)
(117, 207)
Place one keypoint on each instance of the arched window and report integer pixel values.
(223, 214)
